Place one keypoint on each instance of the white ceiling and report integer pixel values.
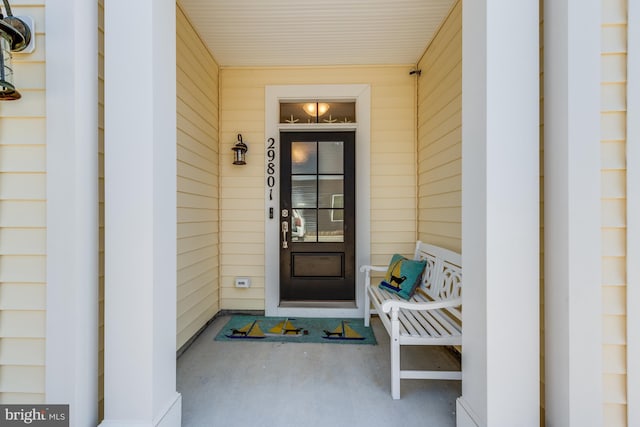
(327, 32)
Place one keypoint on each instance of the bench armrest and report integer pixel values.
(395, 305)
(369, 268)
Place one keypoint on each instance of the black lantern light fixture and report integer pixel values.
(239, 151)
(15, 36)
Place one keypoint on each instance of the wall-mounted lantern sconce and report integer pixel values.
(15, 36)
(239, 151)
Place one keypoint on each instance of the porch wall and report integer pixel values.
(614, 202)
(198, 183)
(22, 224)
(393, 166)
(440, 136)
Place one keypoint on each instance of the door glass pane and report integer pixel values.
(304, 157)
(340, 112)
(317, 191)
(304, 191)
(294, 113)
(331, 157)
(304, 225)
(328, 188)
(330, 225)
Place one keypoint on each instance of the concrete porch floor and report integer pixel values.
(231, 384)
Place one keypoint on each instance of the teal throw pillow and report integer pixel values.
(403, 276)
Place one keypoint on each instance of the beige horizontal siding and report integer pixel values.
(100, 30)
(21, 398)
(22, 379)
(22, 351)
(22, 224)
(197, 181)
(22, 296)
(22, 186)
(393, 165)
(613, 178)
(440, 136)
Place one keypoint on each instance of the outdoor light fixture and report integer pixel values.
(239, 151)
(316, 108)
(15, 35)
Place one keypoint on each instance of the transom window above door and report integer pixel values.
(320, 112)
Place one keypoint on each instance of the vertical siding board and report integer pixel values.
(198, 184)
(615, 195)
(633, 214)
(22, 225)
(439, 137)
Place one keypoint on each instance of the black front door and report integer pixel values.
(317, 216)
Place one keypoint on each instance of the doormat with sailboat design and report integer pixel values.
(298, 329)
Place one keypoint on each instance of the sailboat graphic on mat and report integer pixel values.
(249, 331)
(342, 332)
(286, 328)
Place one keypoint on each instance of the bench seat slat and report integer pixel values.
(409, 329)
(445, 322)
(431, 319)
(427, 327)
(429, 324)
(414, 328)
(428, 317)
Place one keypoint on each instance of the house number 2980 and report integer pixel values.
(271, 166)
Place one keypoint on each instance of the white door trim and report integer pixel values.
(361, 94)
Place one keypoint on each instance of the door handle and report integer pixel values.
(285, 230)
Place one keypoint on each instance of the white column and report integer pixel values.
(140, 214)
(572, 206)
(500, 214)
(72, 208)
(633, 213)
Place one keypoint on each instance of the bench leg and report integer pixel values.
(367, 300)
(395, 356)
(367, 307)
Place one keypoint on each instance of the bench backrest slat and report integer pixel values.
(443, 274)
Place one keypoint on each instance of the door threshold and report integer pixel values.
(317, 304)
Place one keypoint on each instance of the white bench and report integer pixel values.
(432, 316)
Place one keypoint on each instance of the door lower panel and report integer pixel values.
(318, 265)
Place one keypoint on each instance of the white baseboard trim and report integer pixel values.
(170, 417)
(465, 417)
